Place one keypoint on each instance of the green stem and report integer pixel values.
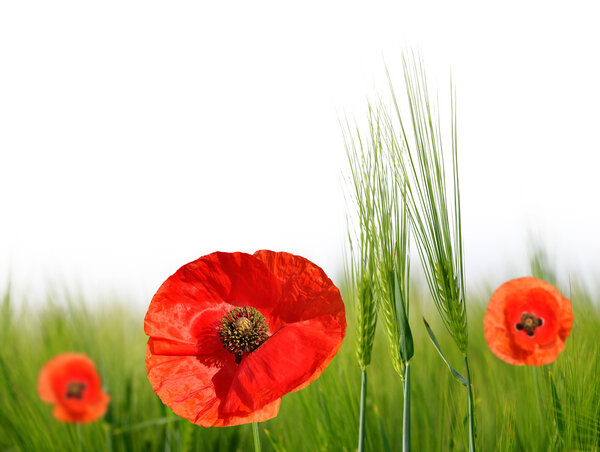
(108, 436)
(406, 415)
(256, 437)
(361, 422)
(471, 411)
(79, 437)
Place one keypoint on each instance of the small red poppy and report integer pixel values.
(231, 333)
(527, 322)
(71, 383)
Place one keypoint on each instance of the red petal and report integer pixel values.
(206, 330)
(217, 282)
(194, 388)
(64, 415)
(312, 313)
(92, 412)
(306, 291)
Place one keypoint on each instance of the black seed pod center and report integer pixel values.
(243, 330)
(529, 322)
(75, 390)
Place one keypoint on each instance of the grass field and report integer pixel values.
(555, 407)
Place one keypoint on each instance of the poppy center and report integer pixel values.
(243, 330)
(75, 390)
(529, 322)
(243, 324)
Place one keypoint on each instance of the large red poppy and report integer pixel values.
(71, 383)
(527, 322)
(230, 333)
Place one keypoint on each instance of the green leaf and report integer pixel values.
(406, 340)
(462, 380)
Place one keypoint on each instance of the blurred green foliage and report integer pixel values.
(563, 413)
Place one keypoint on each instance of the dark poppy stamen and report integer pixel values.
(75, 390)
(529, 322)
(243, 330)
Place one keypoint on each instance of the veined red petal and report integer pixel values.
(194, 388)
(214, 282)
(308, 293)
(205, 327)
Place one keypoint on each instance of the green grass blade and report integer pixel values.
(556, 407)
(457, 376)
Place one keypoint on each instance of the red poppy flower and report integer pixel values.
(230, 333)
(71, 383)
(527, 322)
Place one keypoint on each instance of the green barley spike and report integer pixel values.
(361, 271)
(384, 236)
(433, 203)
(383, 232)
(367, 319)
(362, 266)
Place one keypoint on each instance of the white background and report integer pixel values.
(137, 136)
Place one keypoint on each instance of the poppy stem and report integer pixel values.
(79, 437)
(361, 422)
(406, 414)
(471, 410)
(256, 437)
